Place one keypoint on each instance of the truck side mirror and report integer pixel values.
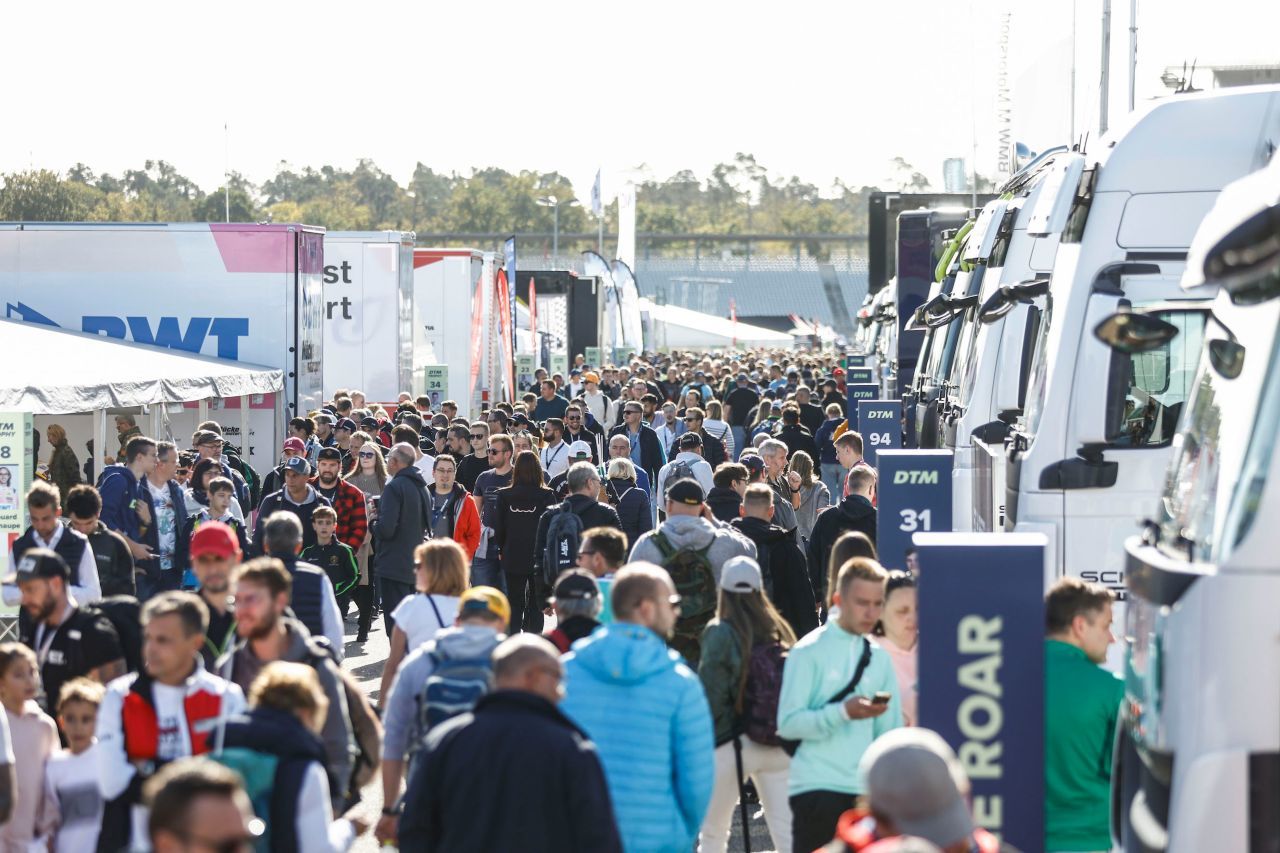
(1133, 332)
(1226, 357)
(1248, 256)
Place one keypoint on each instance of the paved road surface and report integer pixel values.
(364, 660)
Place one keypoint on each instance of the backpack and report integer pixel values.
(231, 455)
(695, 583)
(564, 534)
(122, 611)
(453, 687)
(362, 720)
(757, 704)
(257, 771)
(681, 469)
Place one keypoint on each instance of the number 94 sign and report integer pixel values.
(880, 422)
(914, 497)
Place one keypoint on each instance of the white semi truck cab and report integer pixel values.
(1086, 458)
(1197, 758)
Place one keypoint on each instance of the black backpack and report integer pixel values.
(124, 614)
(564, 535)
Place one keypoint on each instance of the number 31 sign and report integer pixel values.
(915, 497)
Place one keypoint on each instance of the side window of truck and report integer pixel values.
(1158, 385)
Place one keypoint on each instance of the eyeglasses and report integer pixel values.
(584, 552)
(227, 845)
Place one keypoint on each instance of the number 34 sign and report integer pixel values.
(914, 497)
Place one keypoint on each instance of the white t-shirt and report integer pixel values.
(555, 460)
(171, 718)
(166, 521)
(6, 743)
(71, 784)
(427, 465)
(415, 616)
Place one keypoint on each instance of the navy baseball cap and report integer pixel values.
(347, 424)
(299, 465)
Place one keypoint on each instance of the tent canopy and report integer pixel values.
(685, 328)
(49, 371)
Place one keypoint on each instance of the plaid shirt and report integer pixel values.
(348, 503)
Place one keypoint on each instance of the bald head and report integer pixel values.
(530, 664)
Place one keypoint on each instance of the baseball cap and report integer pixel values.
(575, 584)
(369, 422)
(216, 538)
(686, 491)
(347, 424)
(520, 418)
(298, 465)
(839, 371)
(39, 563)
(484, 599)
(591, 376)
(740, 574)
(752, 462)
(205, 436)
(913, 778)
(329, 453)
(325, 417)
(690, 439)
(579, 448)
(295, 444)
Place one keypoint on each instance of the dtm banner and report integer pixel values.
(855, 361)
(17, 465)
(856, 394)
(981, 671)
(436, 384)
(880, 423)
(860, 376)
(914, 497)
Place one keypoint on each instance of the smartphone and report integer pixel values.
(881, 698)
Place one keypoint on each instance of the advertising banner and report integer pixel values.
(981, 670)
(509, 264)
(17, 466)
(560, 364)
(856, 394)
(854, 361)
(860, 376)
(524, 370)
(915, 497)
(881, 427)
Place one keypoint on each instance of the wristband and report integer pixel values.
(394, 811)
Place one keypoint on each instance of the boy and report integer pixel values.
(71, 776)
(221, 492)
(335, 558)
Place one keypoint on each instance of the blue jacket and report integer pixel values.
(119, 489)
(826, 445)
(647, 713)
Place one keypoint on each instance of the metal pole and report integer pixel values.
(1106, 67)
(226, 171)
(555, 232)
(1133, 49)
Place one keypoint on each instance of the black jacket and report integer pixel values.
(404, 520)
(786, 579)
(853, 513)
(115, 561)
(591, 511)
(633, 506)
(811, 417)
(651, 456)
(515, 525)
(712, 450)
(796, 437)
(514, 774)
(724, 503)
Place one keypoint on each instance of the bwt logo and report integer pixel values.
(883, 414)
(168, 332)
(915, 478)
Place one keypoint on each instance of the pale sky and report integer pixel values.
(824, 90)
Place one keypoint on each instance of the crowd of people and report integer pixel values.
(619, 610)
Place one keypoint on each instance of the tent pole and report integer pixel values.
(244, 430)
(202, 411)
(99, 438)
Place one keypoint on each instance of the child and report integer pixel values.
(336, 558)
(221, 492)
(35, 739)
(71, 783)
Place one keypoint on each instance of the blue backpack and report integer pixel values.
(453, 687)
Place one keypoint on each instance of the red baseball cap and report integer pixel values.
(295, 444)
(215, 538)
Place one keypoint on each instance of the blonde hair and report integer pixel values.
(445, 564)
(860, 569)
(56, 433)
(290, 687)
(621, 469)
(81, 690)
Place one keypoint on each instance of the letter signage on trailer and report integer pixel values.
(914, 492)
(880, 422)
(981, 675)
(860, 376)
(857, 393)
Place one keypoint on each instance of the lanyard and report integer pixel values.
(547, 460)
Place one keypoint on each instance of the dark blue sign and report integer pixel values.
(856, 394)
(860, 375)
(880, 423)
(981, 670)
(855, 361)
(915, 497)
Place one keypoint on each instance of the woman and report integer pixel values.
(808, 495)
(897, 633)
(197, 493)
(369, 476)
(64, 467)
(440, 576)
(715, 425)
(515, 529)
(305, 429)
(358, 440)
(631, 502)
(745, 621)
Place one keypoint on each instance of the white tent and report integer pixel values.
(54, 371)
(680, 328)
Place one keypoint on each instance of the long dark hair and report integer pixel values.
(754, 620)
(897, 580)
(527, 470)
(852, 543)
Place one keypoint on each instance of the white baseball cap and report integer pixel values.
(740, 574)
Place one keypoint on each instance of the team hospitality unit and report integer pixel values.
(631, 609)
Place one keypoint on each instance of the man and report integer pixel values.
(120, 489)
(342, 432)
(758, 470)
(403, 521)
(729, 484)
(644, 448)
(854, 512)
(796, 436)
(811, 415)
(1081, 701)
(602, 552)
(577, 604)
(475, 461)
(737, 406)
(166, 712)
(849, 455)
(162, 513)
(555, 452)
(782, 563)
(620, 448)
(833, 473)
(824, 665)
(412, 706)
(692, 548)
(458, 441)
(453, 513)
(449, 409)
(485, 567)
(688, 463)
(347, 500)
(561, 803)
(583, 482)
(671, 429)
(274, 481)
(199, 804)
(69, 642)
(312, 597)
(215, 552)
(652, 417)
(834, 392)
(597, 402)
(576, 430)
(550, 404)
(712, 448)
(915, 787)
(325, 422)
(262, 589)
(579, 451)
(209, 444)
(647, 713)
(111, 555)
(609, 385)
(126, 430)
(48, 531)
(297, 497)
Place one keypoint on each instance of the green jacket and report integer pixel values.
(64, 469)
(721, 672)
(1081, 702)
(818, 667)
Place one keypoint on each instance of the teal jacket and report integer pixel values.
(818, 667)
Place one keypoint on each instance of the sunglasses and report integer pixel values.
(367, 454)
(573, 418)
(630, 411)
(692, 420)
(494, 451)
(475, 437)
